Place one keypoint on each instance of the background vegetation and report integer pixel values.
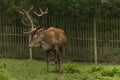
(83, 8)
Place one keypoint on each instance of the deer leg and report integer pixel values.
(47, 60)
(61, 54)
(57, 63)
(60, 62)
(59, 59)
(55, 59)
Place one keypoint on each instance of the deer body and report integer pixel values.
(51, 36)
(51, 39)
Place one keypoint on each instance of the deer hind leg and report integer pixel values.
(57, 59)
(61, 54)
(47, 60)
(60, 63)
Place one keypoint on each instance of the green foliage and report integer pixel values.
(3, 76)
(14, 69)
(69, 7)
(96, 69)
(109, 73)
(111, 8)
(71, 68)
(104, 72)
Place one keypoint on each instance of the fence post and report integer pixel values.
(95, 40)
(30, 49)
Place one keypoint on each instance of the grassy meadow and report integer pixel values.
(15, 69)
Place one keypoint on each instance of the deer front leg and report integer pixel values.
(55, 59)
(62, 52)
(47, 60)
(60, 62)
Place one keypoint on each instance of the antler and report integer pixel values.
(26, 23)
(26, 13)
(41, 12)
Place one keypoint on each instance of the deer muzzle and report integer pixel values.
(33, 44)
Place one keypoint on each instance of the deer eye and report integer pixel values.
(35, 36)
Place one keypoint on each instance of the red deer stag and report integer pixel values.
(51, 39)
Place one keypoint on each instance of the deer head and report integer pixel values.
(37, 38)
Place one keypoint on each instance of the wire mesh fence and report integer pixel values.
(80, 36)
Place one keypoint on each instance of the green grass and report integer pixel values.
(14, 69)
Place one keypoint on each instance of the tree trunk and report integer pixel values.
(30, 49)
(95, 40)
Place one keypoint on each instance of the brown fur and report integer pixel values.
(51, 39)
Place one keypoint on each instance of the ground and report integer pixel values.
(15, 69)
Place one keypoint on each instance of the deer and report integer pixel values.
(51, 39)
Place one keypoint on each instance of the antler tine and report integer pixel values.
(31, 8)
(25, 23)
(26, 12)
(29, 32)
(21, 12)
(41, 12)
(37, 13)
(46, 11)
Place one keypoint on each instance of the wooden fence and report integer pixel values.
(80, 33)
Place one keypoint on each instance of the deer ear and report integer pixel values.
(40, 30)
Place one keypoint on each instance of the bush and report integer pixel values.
(71, 68)
(109, 73)
(96, 69)
(3, 76)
